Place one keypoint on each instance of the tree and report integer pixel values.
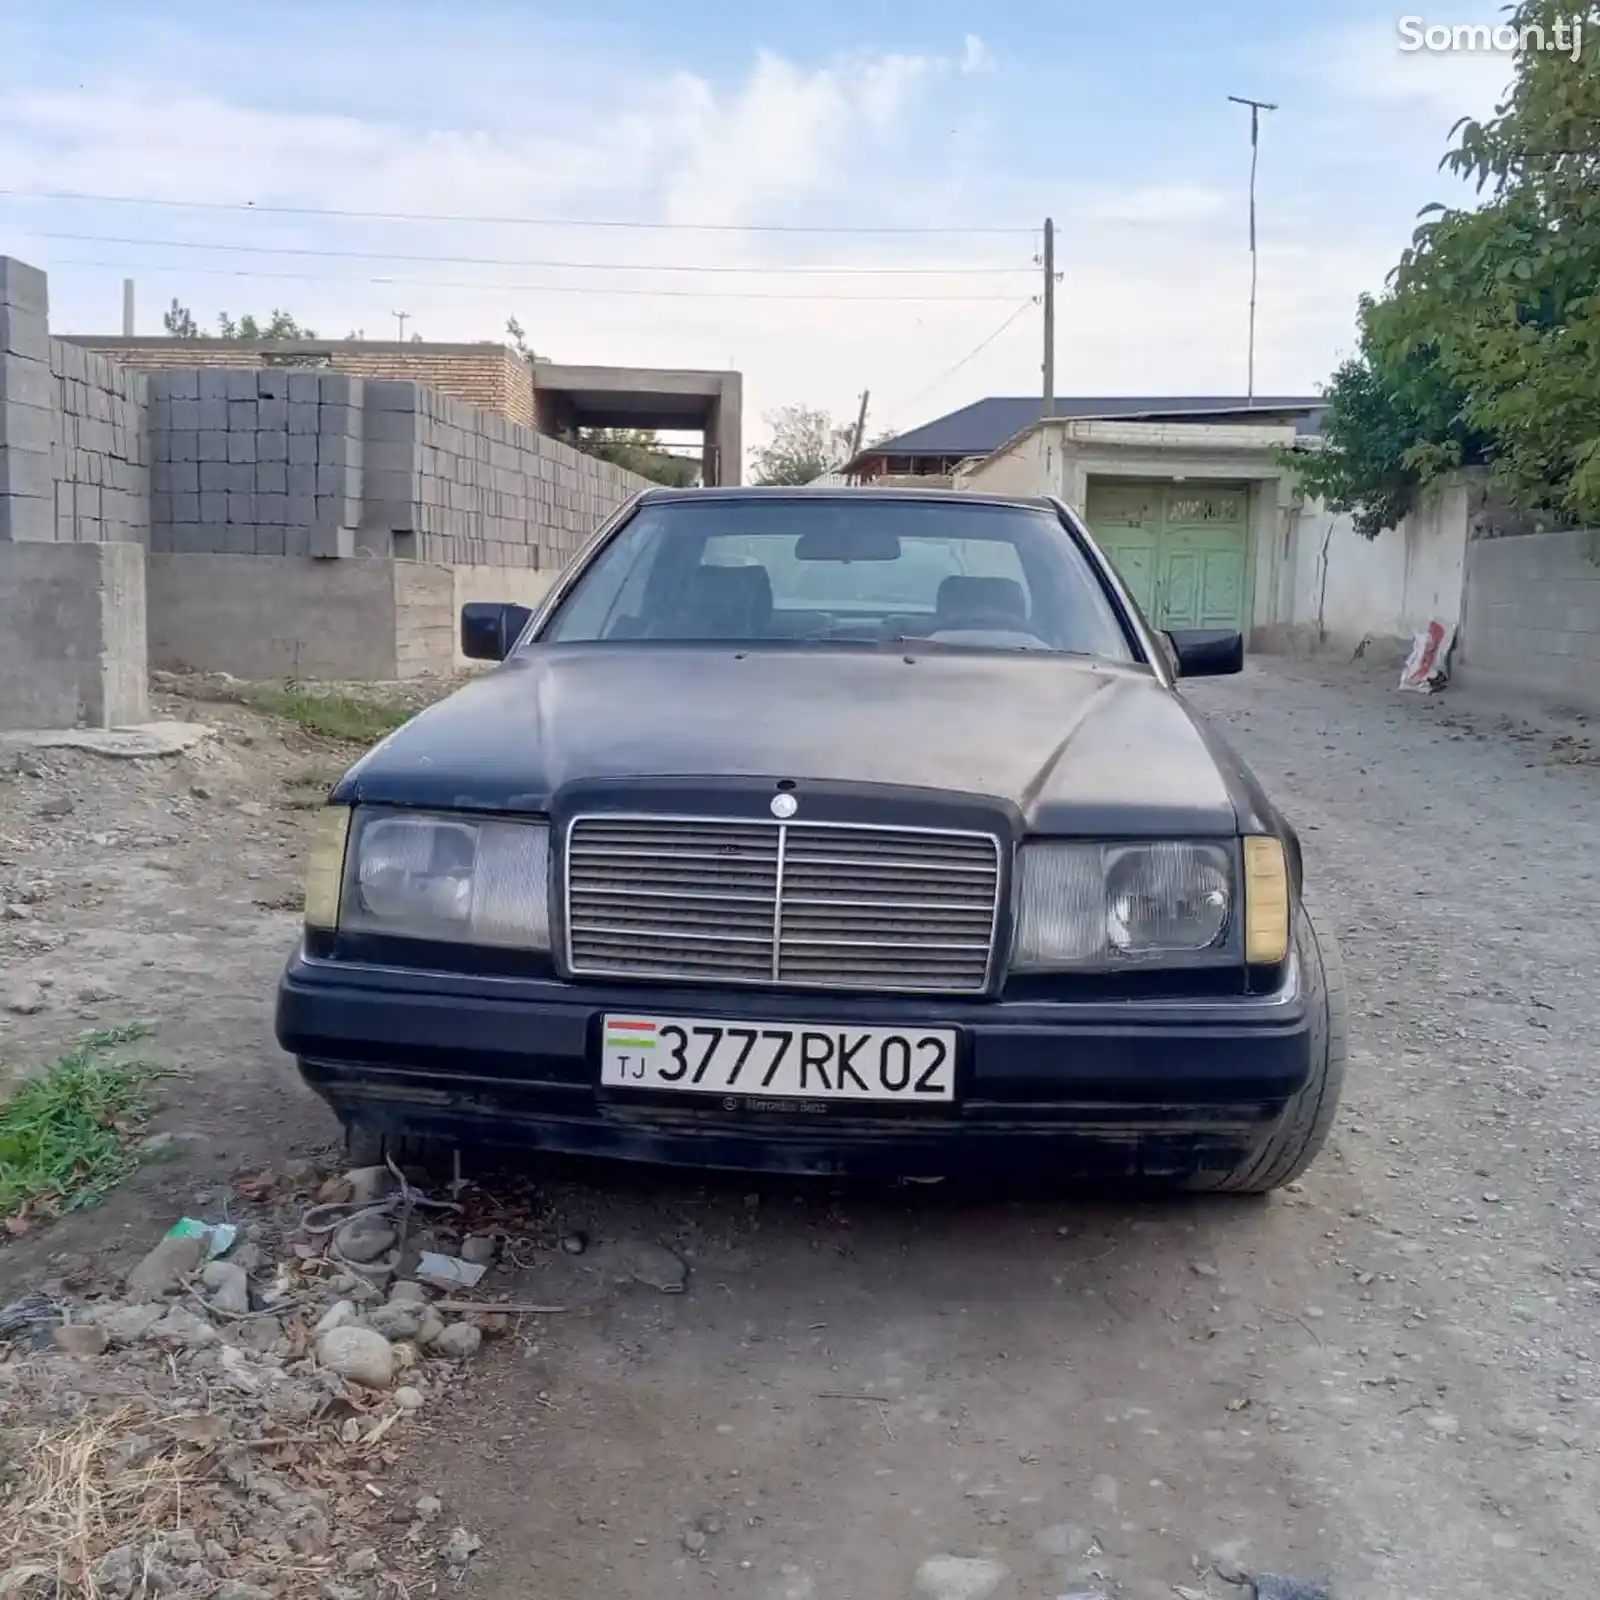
(179, 322)
(638, 450)
(805, 445)
(1486, 344)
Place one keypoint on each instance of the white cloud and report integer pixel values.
(1367, 63)
(975, 56)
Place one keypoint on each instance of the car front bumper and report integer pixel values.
(1152, 1088)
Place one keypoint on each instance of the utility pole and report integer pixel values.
(861, 425)
(1256, 108)
(127, 308)
(401, 317)
(1049, 317)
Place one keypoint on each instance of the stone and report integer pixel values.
(82, 1339)
(694, 1541)
(159, 1146)
(341, 1314)
(406, 1293)
(402, 1321)
(234, 1590)
(361, 1563)
(119, 1572)
(127, 1324)
(428, 1506)
(459, 1341)
(640, 1261)
(433, 1327)
(480, 1249)
(162, 1271)
(229, 1286)
(959, 1578)
(408, 1399)
(575, 1243)
(359, 1354)
(364, 1239)
(184, 1329)
(369, 1184)
(1270, 1587)
(60, 805)
(460, 1548)
(24, 999)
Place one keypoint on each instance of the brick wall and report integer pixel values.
(488, 376)
(1532, 616)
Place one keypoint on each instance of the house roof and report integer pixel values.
(985, 425)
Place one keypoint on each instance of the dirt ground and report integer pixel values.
(1384, 1380)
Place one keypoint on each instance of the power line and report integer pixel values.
(506, 261)
(508, 221)
(533, 288)
(976, 351)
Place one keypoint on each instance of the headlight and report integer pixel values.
(461, 880)
(1095, 906)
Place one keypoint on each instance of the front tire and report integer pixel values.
(1303, 1129)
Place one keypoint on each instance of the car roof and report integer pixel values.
(841, 492)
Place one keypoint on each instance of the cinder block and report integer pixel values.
(185, 414)
(183, 446)
(272, 413)
(242, 383)
(183, 383)
(302, 479)
(213, 506)
(24, 333)
(391, 427)
(26, 472)
(213, 384)
(242, 415)
(272, 447)
(242, 447)
(302, 510)
(214, 475)
(269, 539)
(161, 478)
(304, 387)
(340, 389)
(339, 450)
(24, 427)
(27, 383)
(297, 541)
(241, 477)
(303, 418)
(213, 413)
(342, 422)
(23, 287)
(391, 456)
(272, 477)
(272, 383)
(390, 394)
(241, 507)
(342, 481)
(332, 543)
(161, 507)
(302, 449)
(184, 477)
(212, 446)
(185, 507)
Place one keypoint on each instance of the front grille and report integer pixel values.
(797, 904)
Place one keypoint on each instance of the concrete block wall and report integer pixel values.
(101, 453)
(254, 462)
(1532, 616)
(450, 484)
(28, 426)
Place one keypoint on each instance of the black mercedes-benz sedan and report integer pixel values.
(824, 831)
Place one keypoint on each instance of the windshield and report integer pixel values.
(843, 571)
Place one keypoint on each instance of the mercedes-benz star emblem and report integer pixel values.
(784, 806)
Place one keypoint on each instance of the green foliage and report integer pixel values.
(346, 717)
(65, 1135)
(805, 445)
(1486, 345)
(638, 450)
(179, 322)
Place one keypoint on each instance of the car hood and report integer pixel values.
(1074, 745)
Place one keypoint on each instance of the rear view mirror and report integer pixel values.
(847, 544)
(1207, 652)
(489, 628)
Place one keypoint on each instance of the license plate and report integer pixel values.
(799, 1061)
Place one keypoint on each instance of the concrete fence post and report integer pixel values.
(28, 432)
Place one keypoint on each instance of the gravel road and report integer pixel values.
(1384, 1380)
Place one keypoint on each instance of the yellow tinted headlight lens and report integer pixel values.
(1266, 901)
(325, 868)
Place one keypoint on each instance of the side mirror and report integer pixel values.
(1207, 652)
(489, 628)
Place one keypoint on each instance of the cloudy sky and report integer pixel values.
(753, 162)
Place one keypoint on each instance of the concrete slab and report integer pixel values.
(141, 742)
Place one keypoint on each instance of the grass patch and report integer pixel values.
(320, 779)
(334, 716)
(66, 1135)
